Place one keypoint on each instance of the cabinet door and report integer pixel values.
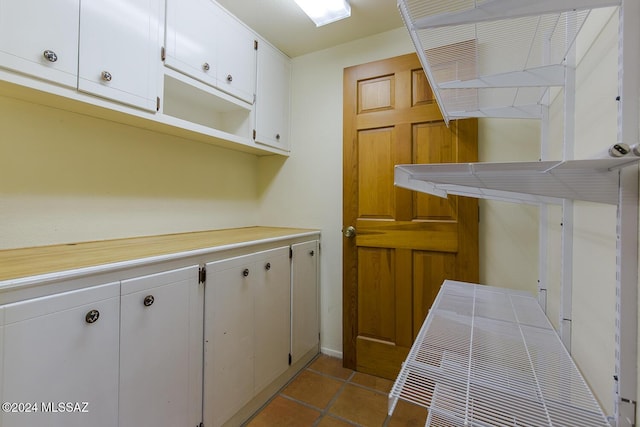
(272, 97)
(191, 38)
(63, 348)
(29, 29)
(228, 338)
(305, 316)
(161, 350)
(119, 52)
(272, 296)
(236, 71)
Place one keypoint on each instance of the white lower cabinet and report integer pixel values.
(305, 315)
(246, 329)
(62, 350)
(272, 317)
(161, 350)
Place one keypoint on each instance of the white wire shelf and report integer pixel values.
(488, 356)
(490, 58)
(592, 180)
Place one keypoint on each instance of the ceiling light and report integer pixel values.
(324, 12)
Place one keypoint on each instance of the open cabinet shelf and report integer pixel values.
(489, 356)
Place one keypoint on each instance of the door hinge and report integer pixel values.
(254, 134)
(290, 359)
(290, 252)
(200, 425)
(163, 54)
(255, 44)
(202, 274)
(158, 103)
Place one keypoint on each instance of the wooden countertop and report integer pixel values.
(25, 262)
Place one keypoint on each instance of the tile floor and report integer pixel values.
(325, 394)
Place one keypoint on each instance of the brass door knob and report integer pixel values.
(350, 232)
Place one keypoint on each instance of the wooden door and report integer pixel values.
(406, 243)
(161, 349)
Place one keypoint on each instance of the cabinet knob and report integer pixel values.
(92, 316)
(106, 76)
(312, 253)
(267, 266)
(229, 78)
(206, 66)
(245, 272)
(278, 136)
(50, 55)
(148, 300)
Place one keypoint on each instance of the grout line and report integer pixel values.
(333, 400)
(323, 412)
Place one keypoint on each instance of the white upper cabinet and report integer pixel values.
(272, 97)
(40, 38)
(206, 43)
(120, 51)
(236, 69)
(191, 38)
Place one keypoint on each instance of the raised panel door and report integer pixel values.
(305, 323)
(272, 299)
(161, 349)
(63, 348)
(236, 69)
(191, 38)
(405, 244)
(119, 53)
(228, 338)
(28, 29)
(272, 97)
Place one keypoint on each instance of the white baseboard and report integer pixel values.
(330, 352)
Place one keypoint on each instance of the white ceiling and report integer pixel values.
(284, 24)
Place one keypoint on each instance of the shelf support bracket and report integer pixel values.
(626, 369)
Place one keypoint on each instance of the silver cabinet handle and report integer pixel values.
(229, 78)
(50, 55)
(312, 253)
(245, 272)
(278, 136)
(92, 316)
(148, 300)
(106, 76)
(206, 66)
(267, 266)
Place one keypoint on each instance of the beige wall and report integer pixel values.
(66, 177)
(594, 248)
